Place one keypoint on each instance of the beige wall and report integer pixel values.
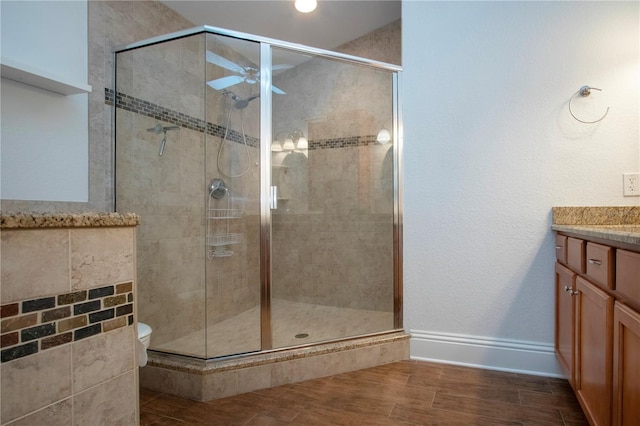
(68, 330)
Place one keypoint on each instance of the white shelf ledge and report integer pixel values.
(35, 77)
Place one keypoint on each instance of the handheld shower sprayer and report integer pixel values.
(159, 128)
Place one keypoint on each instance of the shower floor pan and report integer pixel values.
(290, 322)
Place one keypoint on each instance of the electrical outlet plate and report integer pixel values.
(631, 184)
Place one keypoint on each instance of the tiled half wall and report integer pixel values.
(68, 325)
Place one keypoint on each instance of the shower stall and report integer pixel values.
(266, 178)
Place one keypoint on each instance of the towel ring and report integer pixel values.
(584, 92)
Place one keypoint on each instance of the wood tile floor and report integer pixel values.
(402, 393)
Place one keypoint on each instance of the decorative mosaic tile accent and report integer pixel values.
(149, 109)
(352, 141)
(140, 106)
(35, 325)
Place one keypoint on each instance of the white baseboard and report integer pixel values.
(485, 352)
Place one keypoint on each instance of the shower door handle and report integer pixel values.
(274, 197)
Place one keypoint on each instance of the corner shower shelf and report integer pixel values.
(220, 252)
(224, 214)
(219, 240)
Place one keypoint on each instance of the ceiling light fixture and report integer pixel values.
(306, 6)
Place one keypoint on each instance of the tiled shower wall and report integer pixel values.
(337, 248)
(68, 331)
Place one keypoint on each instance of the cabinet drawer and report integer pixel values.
(561, 248)
(600, 264)
(628, 274)
(575, 254)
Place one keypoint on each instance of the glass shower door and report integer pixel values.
(332, 272)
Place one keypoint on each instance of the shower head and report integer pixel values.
(217, 188)
(159, 128)
(238, 102)
(243, 103)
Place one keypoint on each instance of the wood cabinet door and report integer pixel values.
(626, 366)
(565, 309)
(594, 345)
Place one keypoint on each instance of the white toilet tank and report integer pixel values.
(144, 339)
(144, 334)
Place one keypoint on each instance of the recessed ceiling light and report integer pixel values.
(306, 6)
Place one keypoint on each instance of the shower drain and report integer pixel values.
(301, 335)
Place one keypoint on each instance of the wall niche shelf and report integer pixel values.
(27, 74)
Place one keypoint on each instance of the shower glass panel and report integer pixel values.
(160, 87)
(187, 155)
(233, 217)
(332, 231)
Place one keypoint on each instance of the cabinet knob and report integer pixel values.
(558, 247)
(594, 261)
(573, 292)
(567, 288)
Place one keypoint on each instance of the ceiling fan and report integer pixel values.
(245, 74)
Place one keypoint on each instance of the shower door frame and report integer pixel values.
(266, 135)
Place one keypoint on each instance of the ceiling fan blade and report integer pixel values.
(225, 82)
(281, 67)
(222, 62)
(274, 89)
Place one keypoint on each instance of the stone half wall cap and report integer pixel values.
(11, 220)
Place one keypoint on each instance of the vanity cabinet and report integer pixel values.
(597, 341)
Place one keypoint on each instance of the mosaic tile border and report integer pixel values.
(149, 109)
(353, 141)
(34, 325)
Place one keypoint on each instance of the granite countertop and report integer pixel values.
(619, 224)
(11, 220)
